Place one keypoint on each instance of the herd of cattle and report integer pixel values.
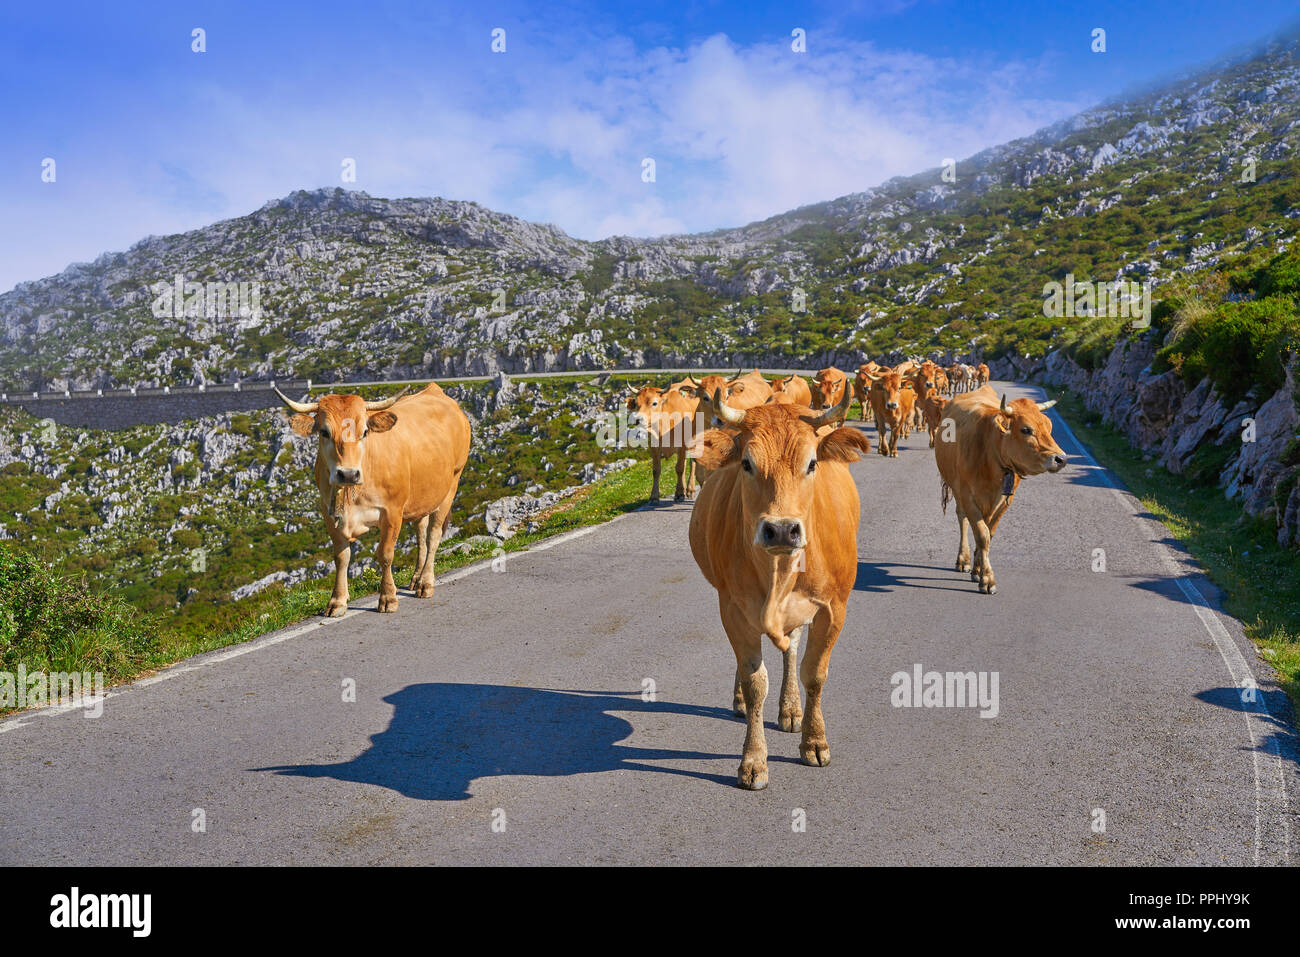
(774, 527)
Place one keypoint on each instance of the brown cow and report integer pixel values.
(741, 392)
(382, 463)
(982, 374)
(796, 387)
(669, 419)
(775, 532)
(932, 412)
(829, 387)
(994, 446)
(862, 386)
(891, 406)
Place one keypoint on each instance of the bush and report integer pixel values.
(1280, 276)
(52, 623)
(1237, 345)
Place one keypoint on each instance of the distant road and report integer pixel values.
(124, 408)
(519, 698)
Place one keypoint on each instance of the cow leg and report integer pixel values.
(738, 697)
(421, 533)
(748, 647)
(389, 528)
(655, 466)
(437, 527)
(338, 604)
(822, 635)
(983, 539)
(679, 492)
(790, 717)
(691, 469)
(963, 548)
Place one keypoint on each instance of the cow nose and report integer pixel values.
(348, 476)
(782, 533)
(1057, 463)
(891, 405)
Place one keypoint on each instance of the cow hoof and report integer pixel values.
(387, 604)
(790, 722)
(336, 609)
(963, 565)
(815, 754)
(423, 590)
(989, 589)
(738, 710)
(679, 498)
(752, 776)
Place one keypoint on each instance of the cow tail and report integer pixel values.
(945, 493)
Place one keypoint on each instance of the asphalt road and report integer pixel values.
(504, 722)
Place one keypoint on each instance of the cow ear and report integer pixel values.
(714, 449)
(842, 445)
(302, 424)
(382, 421)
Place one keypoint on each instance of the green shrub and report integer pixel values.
(1238, 345)
(52, 623)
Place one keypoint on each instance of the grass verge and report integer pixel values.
(1260, 578)
(50, 622)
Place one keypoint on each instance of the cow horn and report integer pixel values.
(1004, 404)
(380, 404)
(725, 412)
(1044, 406)
(306, 408)
(834, 412)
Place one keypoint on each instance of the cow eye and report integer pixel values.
(747, 465)
(1027, 430)
(812, 466)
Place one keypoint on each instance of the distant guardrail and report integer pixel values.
(307, 385)
(126, 408)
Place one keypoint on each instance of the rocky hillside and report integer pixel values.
(184, 520)
(1169, 183)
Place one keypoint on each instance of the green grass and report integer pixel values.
(63, 625)
(1260, 578)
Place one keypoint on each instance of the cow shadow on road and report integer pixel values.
(1272, 707)
(442, 737)
(882, 577)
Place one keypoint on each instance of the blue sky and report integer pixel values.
(150, 137)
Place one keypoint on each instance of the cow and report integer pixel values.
(922, 383)
(668, 417)
(940, 381)
(741, 392)
(891, 406)
(993, 447)
(379, 464)
(932, 407)
(829, 387)
(774, 531)
(862, 386)
(796, 387)
(981, 374)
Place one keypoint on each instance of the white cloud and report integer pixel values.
(738, 134)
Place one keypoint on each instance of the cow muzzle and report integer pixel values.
(781, 534)
(347, 476)
(1055, 463)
